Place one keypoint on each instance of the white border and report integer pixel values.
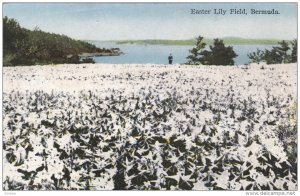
(133, 193)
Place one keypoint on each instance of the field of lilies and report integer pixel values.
(149, 127)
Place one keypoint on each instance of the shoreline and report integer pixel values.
(95, 54)
(106, 52)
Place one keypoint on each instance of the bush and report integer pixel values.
(88, 60)
(256, 57)
(294, 51)
(278, 54)
(218, 54)
(195, 58)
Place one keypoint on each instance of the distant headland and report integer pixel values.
(227, 40)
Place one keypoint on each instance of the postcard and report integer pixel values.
(149, 96)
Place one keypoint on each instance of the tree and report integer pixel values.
(196, 53)
(281, 52)
(256, 57)
(11, 32)
(278, 54)
(294, 51)
(272, 56)
(219, 54)
(25, 47)
(14, 41)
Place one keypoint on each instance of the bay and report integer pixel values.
(158, 54)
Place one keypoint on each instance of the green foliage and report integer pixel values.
(294, 51)
(88, 60)
(25, 47)
(14, 40)
(195, 57)
(256, 57)
(13, 35)
(73, 59)
(218, 54)
(284, 53)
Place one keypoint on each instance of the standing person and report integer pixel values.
(170, 59)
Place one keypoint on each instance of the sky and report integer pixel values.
(123, 21)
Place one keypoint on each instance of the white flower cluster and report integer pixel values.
(148, 127)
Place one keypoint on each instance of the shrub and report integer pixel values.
(88, 60)
(218, 54)
(284, 53)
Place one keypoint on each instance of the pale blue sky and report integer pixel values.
(112, 21)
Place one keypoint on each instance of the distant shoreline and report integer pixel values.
(190, 42)
(95, 54)
(227, 41)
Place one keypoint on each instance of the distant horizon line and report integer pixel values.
(212, 38)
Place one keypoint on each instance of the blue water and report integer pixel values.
(158, 54)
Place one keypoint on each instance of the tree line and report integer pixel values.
(285, 52)
(219, 54)
(30, 47)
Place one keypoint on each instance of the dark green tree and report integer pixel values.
(29, 47)
(283, 53)
(14, 41)
(256, 57)
(272, 56)
(196, 53)
(12, 34)
(219, 54)
(294, 51)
